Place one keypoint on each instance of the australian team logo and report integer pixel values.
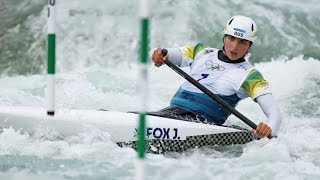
(214, 66)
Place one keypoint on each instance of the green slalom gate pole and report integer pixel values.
(51, 57)
(143, 88)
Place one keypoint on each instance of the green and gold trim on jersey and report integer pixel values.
(190, 52)
(254, 84)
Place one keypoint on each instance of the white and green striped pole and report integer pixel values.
(51, 56)
(143, 87)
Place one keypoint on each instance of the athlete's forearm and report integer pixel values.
(271, 110)
(175, 56)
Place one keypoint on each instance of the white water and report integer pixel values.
(293, 155)
(97, 51)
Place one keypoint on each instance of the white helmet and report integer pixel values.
(241, 27)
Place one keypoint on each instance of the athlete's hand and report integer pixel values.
(157, 57)
(262, 130)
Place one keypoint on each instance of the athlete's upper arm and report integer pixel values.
(255, 84)
(189, 53)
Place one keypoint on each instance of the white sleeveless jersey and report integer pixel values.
(218, 76)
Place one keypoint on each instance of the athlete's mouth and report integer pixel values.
(233, 53)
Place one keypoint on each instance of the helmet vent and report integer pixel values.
(231, 21)
(252, 27)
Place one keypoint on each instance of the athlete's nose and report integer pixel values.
(235, 44)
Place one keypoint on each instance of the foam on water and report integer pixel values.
(108, 31)
(293, 155)
(97, 50)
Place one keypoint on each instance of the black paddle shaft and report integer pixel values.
(209, 93)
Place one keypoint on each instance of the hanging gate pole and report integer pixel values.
(143, 88)
(51, 57)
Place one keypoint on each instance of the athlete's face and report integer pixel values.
(235, 48)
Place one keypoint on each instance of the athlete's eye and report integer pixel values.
(245, 42)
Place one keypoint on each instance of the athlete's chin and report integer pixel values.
(233, 57)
